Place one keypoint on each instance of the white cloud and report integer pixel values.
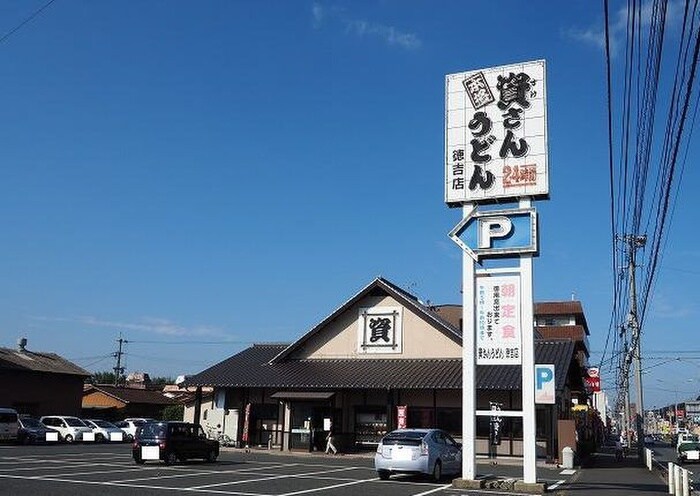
(595, 35)
(361, 28)
(318, 13)
(389, 34)
(154, 325)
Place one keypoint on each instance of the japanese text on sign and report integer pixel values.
(498, 336)
(496, 134)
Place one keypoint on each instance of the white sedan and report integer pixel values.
(105, 431)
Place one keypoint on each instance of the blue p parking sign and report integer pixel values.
(545, 385)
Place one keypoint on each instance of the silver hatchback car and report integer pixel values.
(431, 452)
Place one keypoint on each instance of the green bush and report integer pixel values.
(174, 412)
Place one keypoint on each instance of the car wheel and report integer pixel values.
(170, 458)
(437, 471)
(211, 456)
(129, 437)
(68, 438)
(99, 438)
(139, 460)
(383, 474)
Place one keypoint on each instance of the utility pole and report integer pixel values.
(119, 370)
(633, 244)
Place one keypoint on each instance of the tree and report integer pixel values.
(162, 381)
(174, 412)
(102, 378)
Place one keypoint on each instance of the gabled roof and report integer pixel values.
(131, 395)
(32, 361)
(253, 367)
(564, 308)
(378, 286)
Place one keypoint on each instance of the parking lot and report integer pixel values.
(109, 470)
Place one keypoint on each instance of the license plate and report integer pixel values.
(52, 436)
(88, 436)
(693, 455)
(116, 436)
(402, 454)
(150, 453)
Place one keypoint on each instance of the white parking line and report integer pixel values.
(284, 476)
(208, 472)
(329, 487)
(441, 488)
(555, 485)
(135, 486)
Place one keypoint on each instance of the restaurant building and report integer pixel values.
(382, 360)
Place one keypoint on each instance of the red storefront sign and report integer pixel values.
(592, 384)
(401, 412)
(246, 423)
(592, 380)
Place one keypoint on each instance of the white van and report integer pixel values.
(9, 425)
(69, 428)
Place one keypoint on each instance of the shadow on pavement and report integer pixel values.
(601, 474)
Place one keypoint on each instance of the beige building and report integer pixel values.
(381, 352)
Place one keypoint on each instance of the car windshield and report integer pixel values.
(103, 423)
(139, 423)
(150, 431)
(30, 423)
(74, 422)
(689, 447)
(410, 438)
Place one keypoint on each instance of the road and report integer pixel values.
(64, 470)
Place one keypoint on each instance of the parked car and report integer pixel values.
(173, 441)
(8, 424)
(105, 431)
(685, 438)
(142, 419)
(431, 452)
(70, 429)
(129, 427)
(688, 452)
(31, 431)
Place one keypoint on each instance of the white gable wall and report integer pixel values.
(339, 338)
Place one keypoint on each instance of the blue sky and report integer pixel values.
(202, 175)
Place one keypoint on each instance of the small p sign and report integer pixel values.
(545, 389)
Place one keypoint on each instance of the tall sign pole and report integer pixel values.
(495, 152)
(468, 362)
(528, 367)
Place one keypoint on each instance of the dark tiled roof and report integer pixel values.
(252, 368)
(450, 313)
(132, 395)
(32, 361)
(558, 308)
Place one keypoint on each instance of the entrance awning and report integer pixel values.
(301, 395)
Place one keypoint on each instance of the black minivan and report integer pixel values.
(173, 441)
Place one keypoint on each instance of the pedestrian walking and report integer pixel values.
(618, 450)
(329, 443)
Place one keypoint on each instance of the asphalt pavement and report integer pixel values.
(603, 475)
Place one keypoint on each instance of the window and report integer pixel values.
(450, 420)
(421, 417)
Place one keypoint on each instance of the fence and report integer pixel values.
(679, 479)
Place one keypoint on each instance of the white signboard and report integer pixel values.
(545, 386)
(379, 330)
(496, 134)
(498, 327)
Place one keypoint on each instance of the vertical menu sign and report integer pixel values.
(498, 331)
(496, 134)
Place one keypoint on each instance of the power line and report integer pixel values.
(28, 19)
